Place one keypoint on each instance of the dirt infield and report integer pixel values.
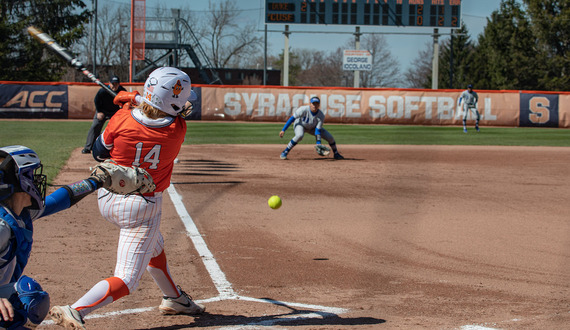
(393, 237)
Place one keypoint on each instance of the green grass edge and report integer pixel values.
(54, 140)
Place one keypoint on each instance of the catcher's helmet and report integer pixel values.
(21, 171)
(167, 89)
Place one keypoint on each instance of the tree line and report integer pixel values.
(524, 46)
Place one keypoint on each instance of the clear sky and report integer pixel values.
(404, 48)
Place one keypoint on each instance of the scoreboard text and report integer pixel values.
(430, 13)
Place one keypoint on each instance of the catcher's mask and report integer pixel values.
(167, 89)
(21, 171)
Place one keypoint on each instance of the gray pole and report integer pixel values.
(357, 44)
(265, 59)
(435, 60)
(94, 38)
(286, 57)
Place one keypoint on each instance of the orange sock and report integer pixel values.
(102, 294)
(158, 269)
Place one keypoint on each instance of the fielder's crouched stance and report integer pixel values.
(22, 201)
(150, 136)
(309, 119)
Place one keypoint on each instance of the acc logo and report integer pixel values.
(539, 110)
(35, 99)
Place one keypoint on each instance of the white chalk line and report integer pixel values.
(224, 287)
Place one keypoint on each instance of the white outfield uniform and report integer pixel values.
(469, 99)
(308, 119)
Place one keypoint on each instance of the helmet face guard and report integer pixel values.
(23, 171)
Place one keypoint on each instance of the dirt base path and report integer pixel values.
(392, 237)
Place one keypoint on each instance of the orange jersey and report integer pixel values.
(153, 144)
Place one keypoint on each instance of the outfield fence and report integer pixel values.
(275, 104)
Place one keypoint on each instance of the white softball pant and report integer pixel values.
(140, 239)
(300, 132)
(466, 109)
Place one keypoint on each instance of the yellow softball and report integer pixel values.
(274, 202)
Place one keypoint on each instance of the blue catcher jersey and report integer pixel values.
(19, 247)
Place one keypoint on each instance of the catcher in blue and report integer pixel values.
(309, 119)
(22, 201)
(469, 99)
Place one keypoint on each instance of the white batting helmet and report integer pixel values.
(167, 89)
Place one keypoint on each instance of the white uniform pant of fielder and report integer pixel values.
(467, 108)
(300, 132)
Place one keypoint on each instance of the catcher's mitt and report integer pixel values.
(322, 150)
(122, 180)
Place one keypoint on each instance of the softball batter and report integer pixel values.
(470, 99)
(149, 136)
(308, 119)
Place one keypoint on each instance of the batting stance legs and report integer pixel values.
(140, 247)
(300, 133)
(466, 109)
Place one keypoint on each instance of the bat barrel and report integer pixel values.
(44, 38)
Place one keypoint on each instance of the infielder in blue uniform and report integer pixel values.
(308, 119)
(22, 201)
(470, 99)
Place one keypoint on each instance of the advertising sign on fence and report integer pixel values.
(357, 60)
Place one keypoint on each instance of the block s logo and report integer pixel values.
(538, 110)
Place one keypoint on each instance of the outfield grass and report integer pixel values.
(54, 140)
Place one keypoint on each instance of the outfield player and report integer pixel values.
(149, 136)
(22, 201)
(308, 119)
(469, 99)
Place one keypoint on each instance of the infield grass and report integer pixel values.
(54, 140)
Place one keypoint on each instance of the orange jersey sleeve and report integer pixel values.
(151, 144)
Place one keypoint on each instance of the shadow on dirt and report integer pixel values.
(293, 319)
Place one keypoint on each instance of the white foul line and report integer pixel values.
(218, 277)
(223, 286)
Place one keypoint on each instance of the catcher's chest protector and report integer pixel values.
(21, 241)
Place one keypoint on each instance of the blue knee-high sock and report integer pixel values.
(290, 146)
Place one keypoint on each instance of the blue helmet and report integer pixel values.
(470, 86)
(21, 171)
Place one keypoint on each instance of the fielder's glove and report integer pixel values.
(322, 150)
(122, 180)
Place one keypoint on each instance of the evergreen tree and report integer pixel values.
(506, 56)
(26, 59)
(551, 24)
(455, 60)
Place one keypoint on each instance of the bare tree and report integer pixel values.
(228, 40)
(419, 76)
(385, 68)
(320, 69)
(113, 34)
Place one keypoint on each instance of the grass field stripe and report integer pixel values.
(218, 277)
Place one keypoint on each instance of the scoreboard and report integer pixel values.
(428, 13)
